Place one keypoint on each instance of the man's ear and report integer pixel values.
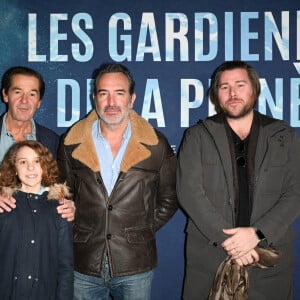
(133, 97)
(4, 96)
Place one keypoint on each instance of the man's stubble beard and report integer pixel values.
(244, 112)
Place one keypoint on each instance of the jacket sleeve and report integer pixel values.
(281, 191)
(65, 278)
(64, 165)
(191, 193)
(48, 138)
(166, 203)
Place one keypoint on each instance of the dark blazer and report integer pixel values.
(44, 135)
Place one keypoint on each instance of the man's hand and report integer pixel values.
(7, 203)
(240, 242)
(67, 210)
(248, 259)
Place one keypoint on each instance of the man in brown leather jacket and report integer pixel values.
(122, 175)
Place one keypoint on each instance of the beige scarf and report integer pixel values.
(232, 281)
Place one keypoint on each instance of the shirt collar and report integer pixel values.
(30, 136)
(126, 134)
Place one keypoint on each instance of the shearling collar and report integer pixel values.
(81, 134)
(56, 191)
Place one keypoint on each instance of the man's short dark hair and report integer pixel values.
(113, 68)
(11, 72)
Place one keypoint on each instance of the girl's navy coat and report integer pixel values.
(36, 252)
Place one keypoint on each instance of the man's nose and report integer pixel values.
(110, 100)
(232, 92)
(24, 97)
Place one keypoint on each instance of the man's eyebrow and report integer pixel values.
(237, 81)
(223, 83)
(117, 90)
(14, 88)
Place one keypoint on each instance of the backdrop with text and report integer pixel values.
(172, 48)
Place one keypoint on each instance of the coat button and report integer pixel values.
(108, 236)
(110, 207)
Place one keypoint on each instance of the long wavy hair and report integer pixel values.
(8, 170)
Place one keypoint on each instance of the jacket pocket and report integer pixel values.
(81, 234)
(139, 234)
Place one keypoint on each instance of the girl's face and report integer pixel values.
(29, 170)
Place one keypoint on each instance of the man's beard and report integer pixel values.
(245, 111)
(114, 121)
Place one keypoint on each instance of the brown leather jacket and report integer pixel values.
(143, 198)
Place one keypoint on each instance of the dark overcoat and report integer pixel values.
(205, 187)
(36, 251)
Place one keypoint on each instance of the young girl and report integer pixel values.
(36, 251)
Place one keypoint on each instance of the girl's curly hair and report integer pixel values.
(8, 171)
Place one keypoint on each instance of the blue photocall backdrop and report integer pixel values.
(172, 48)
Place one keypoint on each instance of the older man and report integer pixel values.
(22, 90)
